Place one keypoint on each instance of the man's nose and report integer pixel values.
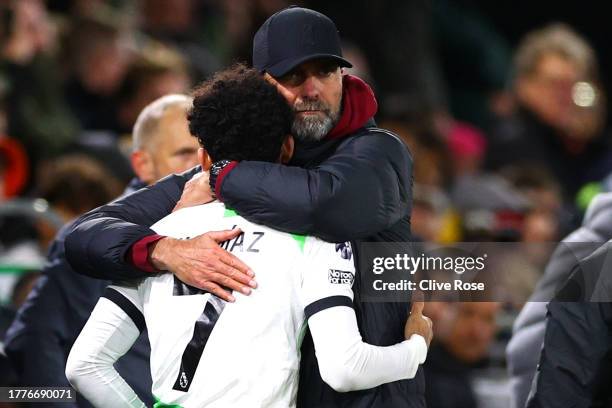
(311, 87)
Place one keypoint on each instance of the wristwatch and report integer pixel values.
(213, 173)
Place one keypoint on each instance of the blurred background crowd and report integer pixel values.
(504, 109)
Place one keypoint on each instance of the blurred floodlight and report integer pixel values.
(584, 94)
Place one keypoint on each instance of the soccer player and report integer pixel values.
(206, 352)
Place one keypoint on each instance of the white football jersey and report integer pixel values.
(207, 352)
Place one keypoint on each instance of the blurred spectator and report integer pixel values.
(544, 193)
(432, 162)
(37, 113)
(193, 27)
(75, 184)
(242, 18)
(463, 334)
(41, 336)
(21, 289)
(159, 71)
(33, 343)
(463, 35)
(14, 168)
(99, 57)
(467, 145)
(574, 367)
(397, 38)
(561, 111)
(491, 208)
(429, 208)
(361, 66)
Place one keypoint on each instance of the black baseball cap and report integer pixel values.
(292, 36)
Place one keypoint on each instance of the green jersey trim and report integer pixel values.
(159, 404)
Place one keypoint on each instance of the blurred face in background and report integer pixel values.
(547, 91)
(169, 16)
(467, 329)
(559, 93)
(150, 88)
(103, 67)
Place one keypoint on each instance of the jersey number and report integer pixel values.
(201, 332)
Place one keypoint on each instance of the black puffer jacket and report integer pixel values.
(354, 188)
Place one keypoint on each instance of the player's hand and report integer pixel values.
(419, 324)
(196, 192)
(200, 262)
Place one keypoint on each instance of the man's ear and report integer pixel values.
(204, 159)
(142, 164)
(287, 149)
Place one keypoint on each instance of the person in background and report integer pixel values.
(162, 144)
(574, 368)
(463, 335)
(524, 348)
(21, 289)
(35, 341)
(37, 114)
(559, 122)
(193, 28)
(158, 71)
(100, 57)
(40, 338)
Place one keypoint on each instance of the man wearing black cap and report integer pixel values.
(348, 180)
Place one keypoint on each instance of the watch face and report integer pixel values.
(218, 166)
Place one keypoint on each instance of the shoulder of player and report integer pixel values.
(188, 214)
(338, 251)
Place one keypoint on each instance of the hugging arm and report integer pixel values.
(363, 188)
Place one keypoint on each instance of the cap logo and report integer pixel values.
(308, 35)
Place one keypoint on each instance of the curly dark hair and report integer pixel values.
(238, 115)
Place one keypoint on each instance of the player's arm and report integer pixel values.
(113, 327)
(115, 242)
(346, 362)
(99, 241)
(366, 175)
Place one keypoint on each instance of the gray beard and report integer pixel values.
(313, 129)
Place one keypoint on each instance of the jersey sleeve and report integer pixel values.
(127, 297)
(327, 276)
(346, 363)
(113, 327)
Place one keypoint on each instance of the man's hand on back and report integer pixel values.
(418, 324)
(196, 192)
(201, 263)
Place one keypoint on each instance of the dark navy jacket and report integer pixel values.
(356, 188)
(47, 324)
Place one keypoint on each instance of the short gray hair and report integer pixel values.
(148, 120)
(556, 38)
